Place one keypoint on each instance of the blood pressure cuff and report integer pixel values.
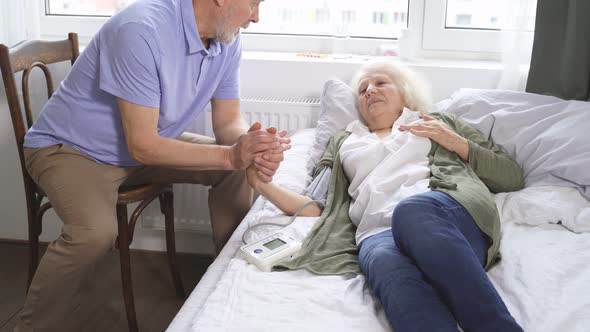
(318, 188)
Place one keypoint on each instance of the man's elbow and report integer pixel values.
(141, 153)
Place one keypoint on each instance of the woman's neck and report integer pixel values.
(382, 133)
(382, 126)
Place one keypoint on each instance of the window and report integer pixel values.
(461, 25)
(302, 25)
(471, 25)
(85, 7)
(371, 18)
(314, 25)
(363, 19)
(473, 14)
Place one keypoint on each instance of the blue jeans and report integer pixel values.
(428, 271)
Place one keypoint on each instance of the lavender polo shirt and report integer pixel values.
(149, 54)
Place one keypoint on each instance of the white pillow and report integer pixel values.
(549, 137)
(338, 107)
(290, 174)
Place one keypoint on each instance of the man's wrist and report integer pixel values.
(228, 164)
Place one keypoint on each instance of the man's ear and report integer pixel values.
(219, 3)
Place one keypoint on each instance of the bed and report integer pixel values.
(544, 273)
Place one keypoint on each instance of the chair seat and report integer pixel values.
(40, 191)
(132, 194)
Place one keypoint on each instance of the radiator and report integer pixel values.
(190, 200)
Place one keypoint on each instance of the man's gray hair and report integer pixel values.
(411, 86)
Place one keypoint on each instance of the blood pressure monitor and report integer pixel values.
(271, 250)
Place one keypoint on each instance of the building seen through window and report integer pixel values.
(370, 18)
(473, 14)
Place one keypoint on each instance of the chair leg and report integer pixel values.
(33, 255)
(167, 208)
(33, 208)
(123, 244)
(35, 213)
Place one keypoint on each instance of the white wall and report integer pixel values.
(3, 25)
(280, 77)
(291, 76)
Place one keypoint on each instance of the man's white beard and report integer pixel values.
(225, 33)
(227, 36)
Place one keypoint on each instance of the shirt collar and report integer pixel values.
(407, 117)
(191, 32)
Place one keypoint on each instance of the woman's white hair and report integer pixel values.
(411, 86)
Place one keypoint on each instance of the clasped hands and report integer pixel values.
(260, 151)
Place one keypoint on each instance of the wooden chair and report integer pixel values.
(24, 57)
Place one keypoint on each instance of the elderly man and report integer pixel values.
(118, 118)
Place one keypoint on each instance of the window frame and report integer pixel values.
(437, 37)
(57, 26)
(426, 20)
(310, 44)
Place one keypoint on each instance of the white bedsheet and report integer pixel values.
(543, 277)
(546, 205)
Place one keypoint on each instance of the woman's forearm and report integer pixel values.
(288, 201)
(462, 148)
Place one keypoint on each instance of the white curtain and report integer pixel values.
(19, 20)
(518, 22)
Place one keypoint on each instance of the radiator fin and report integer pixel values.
(298, 100)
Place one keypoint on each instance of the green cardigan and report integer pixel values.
(330, 247)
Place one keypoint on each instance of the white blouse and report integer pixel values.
(382, 172)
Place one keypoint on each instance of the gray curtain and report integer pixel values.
(560, 63)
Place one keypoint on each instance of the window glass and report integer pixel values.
(368, 18)
(85, 7)
(473, 14)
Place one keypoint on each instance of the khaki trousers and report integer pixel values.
(84, 195)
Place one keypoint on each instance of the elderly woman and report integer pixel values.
(419, 187)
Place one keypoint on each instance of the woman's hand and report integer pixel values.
(267, 162)
(439, 132)
(253, 180)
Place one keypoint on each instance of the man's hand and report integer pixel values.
(254, 144)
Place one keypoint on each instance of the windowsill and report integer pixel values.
(360, 59)
(304, 57)
(356, 59)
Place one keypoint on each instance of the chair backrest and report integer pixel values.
(24, 57)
